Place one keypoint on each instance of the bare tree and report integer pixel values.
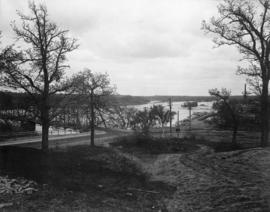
(232, 108)
(121, 116)
(254, 77)
(39, 68)
(245, 24)
(96, 88)
(2, 62)
(143, 121)
(162, 115)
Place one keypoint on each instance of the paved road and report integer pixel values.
(102, 138)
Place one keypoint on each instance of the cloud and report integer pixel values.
(147, 47)
(141, 46)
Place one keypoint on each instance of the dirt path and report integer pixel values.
(226, 182)
(207, 181)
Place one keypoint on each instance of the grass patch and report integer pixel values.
(217, 146)
(81, 179)
(138, 144)
(151, 145)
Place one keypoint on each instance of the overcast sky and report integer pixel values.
(148, 47)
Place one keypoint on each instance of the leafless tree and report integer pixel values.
(246, 25)
(96, 88)
(254, 77)
(1, 56)
(233, 108)
(121, 116)
(143, 121)
(255, 85)
(39, 68)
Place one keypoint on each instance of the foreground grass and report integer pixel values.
(149, 145)
(81, 179)
(154, 146)
(203, 176)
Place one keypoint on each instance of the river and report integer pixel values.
(176, 106)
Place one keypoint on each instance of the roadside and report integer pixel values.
(102, 136)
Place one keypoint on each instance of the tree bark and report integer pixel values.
(92, 119)
(235, 129)
(45, 129)
(264, 114)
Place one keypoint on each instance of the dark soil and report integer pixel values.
(81, 178)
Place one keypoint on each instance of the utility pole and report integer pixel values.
(92, 127)
(245, 93)
(189, 108)
(178, 118)
(170, 105)
(178, 124)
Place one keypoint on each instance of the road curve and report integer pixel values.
(102, 138)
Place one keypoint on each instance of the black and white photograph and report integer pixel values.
(134, 105)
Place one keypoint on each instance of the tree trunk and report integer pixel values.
(235, 129)
(45, 109)
(162, 127)
(45, 137)
(45, 129)
(92, 120)
(264, 114)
